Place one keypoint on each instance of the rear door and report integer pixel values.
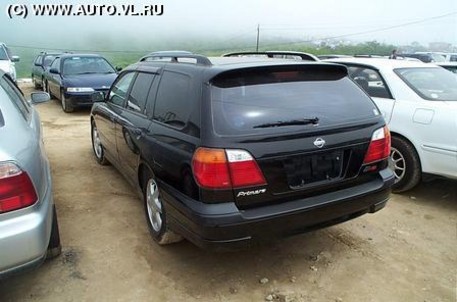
(175, 130)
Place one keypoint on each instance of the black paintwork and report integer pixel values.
(134, 141)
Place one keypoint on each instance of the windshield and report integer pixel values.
(86, 65)
(288, 106)
(435, 84)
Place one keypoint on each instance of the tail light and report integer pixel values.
(226, 169)
(16, 188)
(379, 147)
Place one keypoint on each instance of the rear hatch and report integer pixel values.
(308, 128)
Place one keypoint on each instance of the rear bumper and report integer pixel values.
(24, 236)
(224, 226)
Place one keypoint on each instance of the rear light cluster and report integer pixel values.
(16, 188)
(226, 169)
(379, 147)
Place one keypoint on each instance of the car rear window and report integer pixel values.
(259, 102)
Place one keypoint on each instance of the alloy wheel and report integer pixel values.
(96, 143)
(398, 164)
(154, 206)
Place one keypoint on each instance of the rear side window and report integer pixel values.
(370, 81)
(173, 105)
(140, 90)
(253, 103)
(434, 84)
(15, 96)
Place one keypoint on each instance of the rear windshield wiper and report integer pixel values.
(305, 121)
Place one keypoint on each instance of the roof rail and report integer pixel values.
(270, 54)
(367, 56)
(175, 55)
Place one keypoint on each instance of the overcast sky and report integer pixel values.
(359, 20)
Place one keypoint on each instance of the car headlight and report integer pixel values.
(80, 89)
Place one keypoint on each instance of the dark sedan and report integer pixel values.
(73, 78)
(40, 65)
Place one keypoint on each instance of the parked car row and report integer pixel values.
(235, 150)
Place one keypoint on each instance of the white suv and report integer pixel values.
(7, 61)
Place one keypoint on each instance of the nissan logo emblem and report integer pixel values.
(319, 142)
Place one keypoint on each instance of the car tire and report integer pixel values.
(405, 163)
(156, 215)
(54, 247)
(66, 107)
(97, 147)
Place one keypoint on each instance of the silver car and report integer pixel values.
(29, 232)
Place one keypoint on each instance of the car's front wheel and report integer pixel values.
(405, 163)
(97, 146)
(155, 213)
(66, 106)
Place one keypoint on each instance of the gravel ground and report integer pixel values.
(405, 252)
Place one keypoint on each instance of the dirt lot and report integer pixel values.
(406, 252)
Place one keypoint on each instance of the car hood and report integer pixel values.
(96, 81)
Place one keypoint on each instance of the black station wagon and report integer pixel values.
(228, 151)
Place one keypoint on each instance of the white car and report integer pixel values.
(7, 61)
(419, 103)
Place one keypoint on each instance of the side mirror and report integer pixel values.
(37, 64)
(118, 68)
(54, 71)
(15, 58)
(98, 96)
(39, 97)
